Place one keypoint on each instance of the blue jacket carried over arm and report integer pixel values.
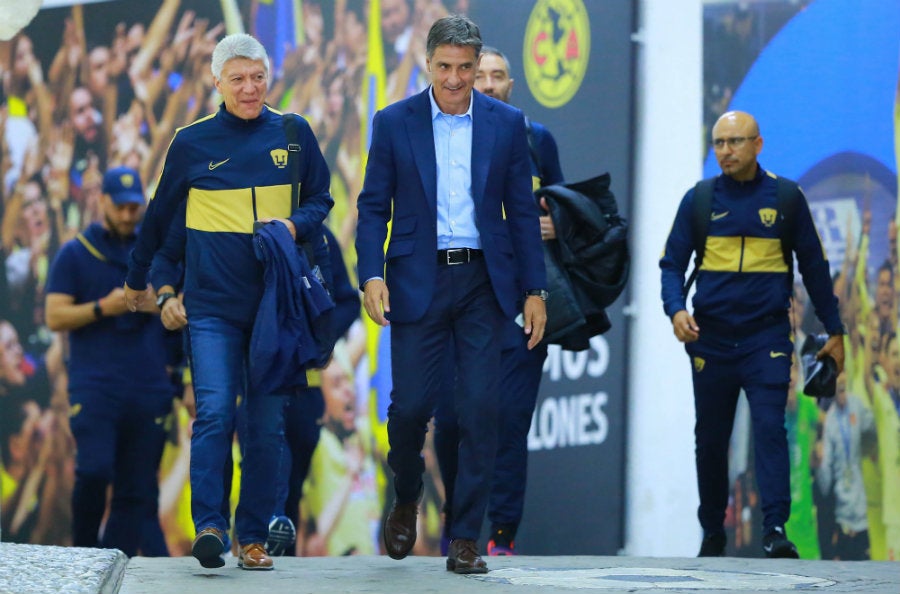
(292, 329)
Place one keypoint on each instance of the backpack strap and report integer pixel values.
(292, 132)
(533, 149)
(787, 194)
(90, 247)
(701, 209)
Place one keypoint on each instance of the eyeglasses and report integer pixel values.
(734, 142)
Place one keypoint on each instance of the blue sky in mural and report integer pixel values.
(825, 85)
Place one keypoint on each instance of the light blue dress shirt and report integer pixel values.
(453, 153)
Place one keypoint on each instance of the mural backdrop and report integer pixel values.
(822, 79)
(91, 86)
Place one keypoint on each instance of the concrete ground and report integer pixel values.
(27, 569)
(514, 575)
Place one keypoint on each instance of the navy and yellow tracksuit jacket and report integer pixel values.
(232, 172)
(744, 279)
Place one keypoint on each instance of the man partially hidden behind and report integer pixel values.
(119, 389)
(444, 166)
(739, 336)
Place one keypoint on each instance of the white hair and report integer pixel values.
(238, 45)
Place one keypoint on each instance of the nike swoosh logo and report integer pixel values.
(214, 165)
(718, 215)
(775, 354)
(768, 548)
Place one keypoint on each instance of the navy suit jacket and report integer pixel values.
(401, 187)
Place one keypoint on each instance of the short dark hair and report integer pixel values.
(489, 50)
(456, 30)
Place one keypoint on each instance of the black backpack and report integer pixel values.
(787, 193)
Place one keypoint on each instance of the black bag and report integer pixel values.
(821, 374)
(587, 264)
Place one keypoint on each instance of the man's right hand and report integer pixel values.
(376, 300)
(684, 326)
(173, 314)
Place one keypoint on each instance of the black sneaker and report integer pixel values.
(713, 545)
(282, 536)
(502, 542)
(777, 546)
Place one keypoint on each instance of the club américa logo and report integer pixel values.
(556, 50)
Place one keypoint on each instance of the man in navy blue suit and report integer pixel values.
(445, 167)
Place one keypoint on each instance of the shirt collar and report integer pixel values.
(436, 111)
(730, 182)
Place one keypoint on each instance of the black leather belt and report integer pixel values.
(455, 256)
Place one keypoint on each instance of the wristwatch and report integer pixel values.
(163, 297)
(542, 293)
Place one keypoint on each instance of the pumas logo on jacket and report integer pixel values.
(699, 364)
(768, 216)
(279, 157)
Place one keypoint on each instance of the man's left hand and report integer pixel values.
(835, 348)
(286, 222)
(535, 315)
(548, 230)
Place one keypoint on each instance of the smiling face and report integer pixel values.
(452, 69)
(243, 87)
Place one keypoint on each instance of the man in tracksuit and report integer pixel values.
(232, 169)
(119, 389)
(739, 335)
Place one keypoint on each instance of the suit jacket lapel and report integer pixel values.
(484, 133)
(421, 138)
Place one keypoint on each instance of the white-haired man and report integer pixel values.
(231, 167)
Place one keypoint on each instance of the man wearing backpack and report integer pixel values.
(739, 335)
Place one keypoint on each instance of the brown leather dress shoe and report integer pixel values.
(208, 547)
(254, 556)
(463, 557)
(400, 529)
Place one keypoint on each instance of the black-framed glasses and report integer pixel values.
(734, 142)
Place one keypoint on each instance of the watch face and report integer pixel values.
(163, 298)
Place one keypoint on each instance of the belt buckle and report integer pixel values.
(453, 251)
